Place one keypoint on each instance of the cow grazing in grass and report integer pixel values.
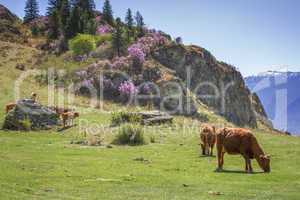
(241, 141)
(68, 118)
(60, 111)
(9, 107)
(208, 139)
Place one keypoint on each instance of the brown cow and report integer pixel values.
(208, 139)
(9, 107)
(60, 111)
(241, 141)
(68, 118)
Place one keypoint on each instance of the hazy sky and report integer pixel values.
(253, 35)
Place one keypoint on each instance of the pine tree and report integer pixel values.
(74, 22)
(108, 13)
(86, 6)
(52, 6)
(117, 37)
(129, 22)
(54, 25)
(140, 24)
(64, 15)
(58, 12)
(31, 10)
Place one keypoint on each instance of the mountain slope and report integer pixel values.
(11, 28)
(206, 77)
(277, 89)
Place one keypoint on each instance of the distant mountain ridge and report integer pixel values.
(277, 89)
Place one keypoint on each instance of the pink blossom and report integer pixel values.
(120, 63)
(104, 29)
(98, 19)
(127, 88)
(136, 52)
(87, 83)
(81, 74)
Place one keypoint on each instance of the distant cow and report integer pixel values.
(9, 107)
(241, 141)
(208, 139)
(68, 118)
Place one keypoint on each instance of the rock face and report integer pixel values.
(260, 112)
(10, 26)
(175, 100)
(28, 115)
(5, 14)
(205, 76)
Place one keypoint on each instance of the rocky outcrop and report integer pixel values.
(28, 115)
(217, 84)
(260, 112)
(10, 26)
(5, 14)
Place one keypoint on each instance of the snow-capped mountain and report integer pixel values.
(279, 92)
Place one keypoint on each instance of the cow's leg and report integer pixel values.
(211, 150)
(248, 167)
(203, 149)
(220, 157)
(246, 163)
(222, 160)
(250, 170)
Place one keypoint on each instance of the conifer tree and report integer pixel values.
(64, 15)
(54, 31)
(52, 6)
(108, 13)
(117, 37)
(31, 10)
(129, 23)
(74, 22)
(140, 24)
(86, 6)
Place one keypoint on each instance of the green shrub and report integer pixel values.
(130, 134)
(152, 139)
(82, 44)
(25, 124)
(100, 39)
(119, 118)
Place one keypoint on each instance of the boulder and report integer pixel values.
(28, 115)
(154, 117)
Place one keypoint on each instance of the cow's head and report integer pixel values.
(76, 114)
(264, 162)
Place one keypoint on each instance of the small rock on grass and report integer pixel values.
(214, 193)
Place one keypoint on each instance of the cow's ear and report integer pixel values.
(261, 156)
(267, 156)
(226, 130)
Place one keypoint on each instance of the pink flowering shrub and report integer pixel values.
(104, 29)
(81, 74)
(127, 88)
(136, 52)
(146, 44)
(120, 63)
(145, 89)
(98, 19)
(87, 83)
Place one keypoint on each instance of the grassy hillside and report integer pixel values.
(44, 165)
